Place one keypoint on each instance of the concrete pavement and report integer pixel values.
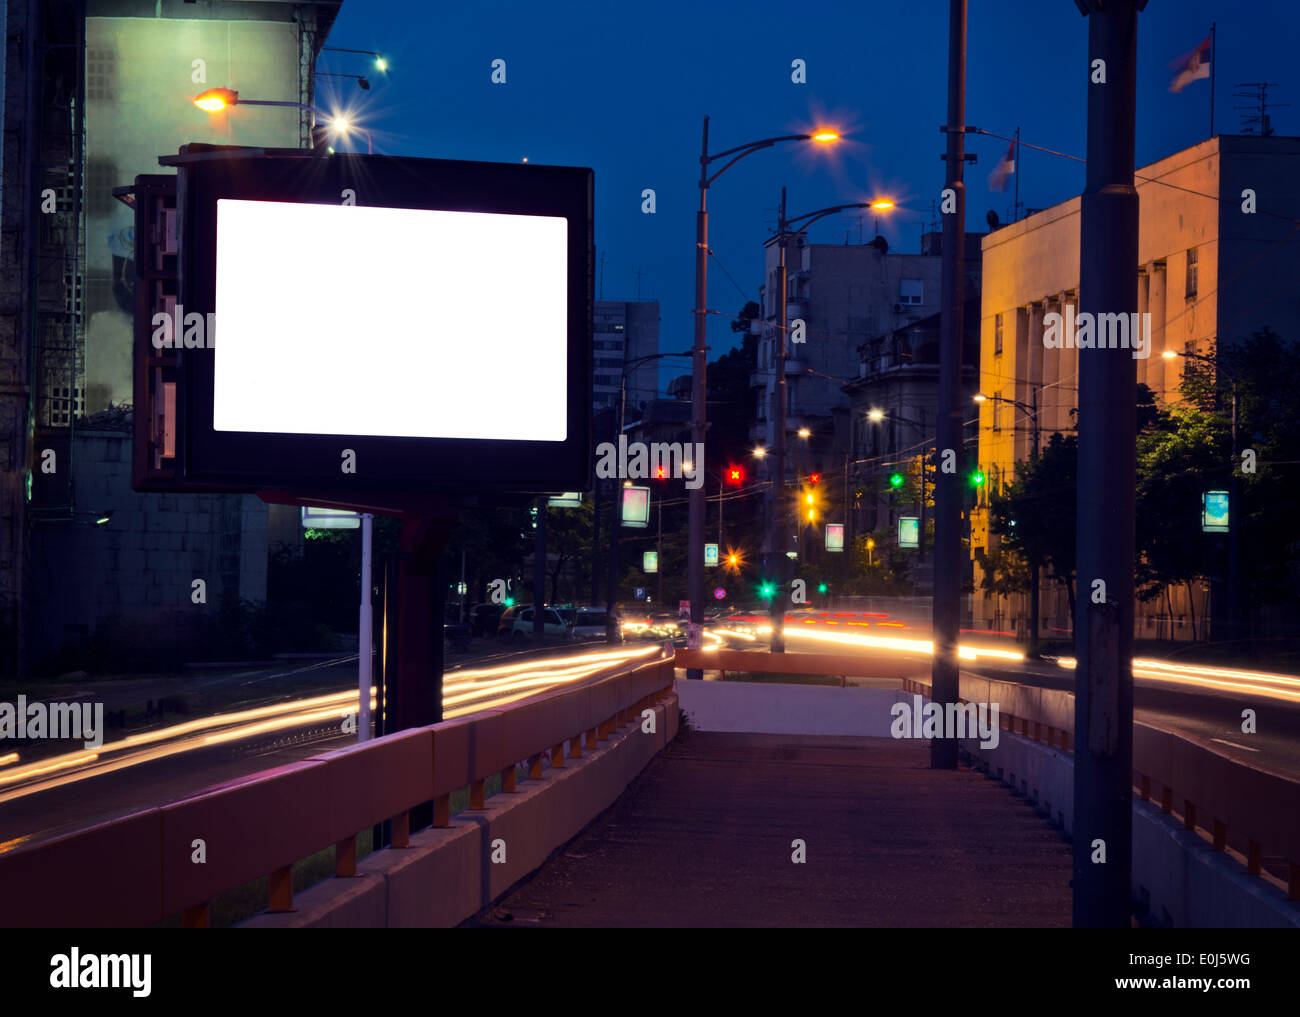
(705, 837)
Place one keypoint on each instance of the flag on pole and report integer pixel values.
(1191, 67)
(1004, 169)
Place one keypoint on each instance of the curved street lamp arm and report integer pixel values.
(743, 150)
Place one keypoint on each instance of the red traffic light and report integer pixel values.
(814, 479)
(661, 473)
(735, 474)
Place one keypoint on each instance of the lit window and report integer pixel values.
(1191, 273)
(997, 335)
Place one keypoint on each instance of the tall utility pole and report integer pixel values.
(699, 393)
(776, 537)
(1103, 624)
(948, 566)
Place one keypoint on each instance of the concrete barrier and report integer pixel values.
(447, 875)
(1178, 877)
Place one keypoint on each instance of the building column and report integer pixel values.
(1164, 374)
(1144, 366)
(1051, 373)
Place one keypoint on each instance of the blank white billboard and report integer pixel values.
(344, 319)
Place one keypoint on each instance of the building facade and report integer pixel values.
(625, 331)
(1209, 273)
(94, 92)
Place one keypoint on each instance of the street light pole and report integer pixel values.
(699, 393)
(699, 389)
(776, 535)
(1104, 610)
(948, 566)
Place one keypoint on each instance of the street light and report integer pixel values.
(360, 80)
(699, 369)
(215, 100)
(380, 63)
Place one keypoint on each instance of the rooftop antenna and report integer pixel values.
(1260, 108)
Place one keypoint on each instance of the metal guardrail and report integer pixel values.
(140, 869)
(1212, 791)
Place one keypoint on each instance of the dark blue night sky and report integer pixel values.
(623, 87)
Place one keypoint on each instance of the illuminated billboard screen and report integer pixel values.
(384, 324)
(490, 329)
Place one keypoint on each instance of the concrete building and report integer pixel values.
(1208, 271)
(625, 330)
(891, 422)
(94, 92)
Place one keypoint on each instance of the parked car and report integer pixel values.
(518, 624)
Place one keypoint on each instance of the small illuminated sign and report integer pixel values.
(636, 506)
(329, 519)
(1214, 512)
(835, 536)
(909, 531)
(710, 555)
(570, 499)
(650, 561)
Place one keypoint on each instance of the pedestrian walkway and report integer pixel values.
(706, 837)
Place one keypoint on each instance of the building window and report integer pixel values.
(997, 414)
(911, 291)
(1191, 273)
(997, 335)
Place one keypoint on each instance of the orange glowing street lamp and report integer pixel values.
(214, 100)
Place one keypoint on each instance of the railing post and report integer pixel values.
(401, 827)
(345, 857)
(442, 811)
(535, 767)
(508, 776)
(557, 757)
(575, 747)
(477, 792)
(282, 890)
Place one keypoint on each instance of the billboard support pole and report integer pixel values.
(365, 629)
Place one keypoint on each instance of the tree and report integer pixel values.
(1036, 517)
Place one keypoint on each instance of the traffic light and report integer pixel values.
(821, 587)
(767, 590)
(661, 472)
(814, 479)
(896, 480)
(977, 478)
(735, 475)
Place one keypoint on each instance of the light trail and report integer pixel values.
(900, 643)
(465, 691)
(1223, 679)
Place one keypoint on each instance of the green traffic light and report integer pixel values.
(896, 480)
(510, 602)
(977, 478)
(821, 588)
(767, 589)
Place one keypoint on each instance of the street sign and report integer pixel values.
(650, 561)
(710, 555)
(570, 499)
(1214, 512)
(636, 507)
(835, 536)
(683, 609)
(909, 531)
(639, 593)
(720, 593)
